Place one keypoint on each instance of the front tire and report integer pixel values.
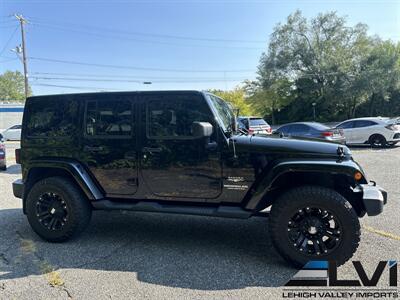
(57, 210)
(377, 141)
(314, 223)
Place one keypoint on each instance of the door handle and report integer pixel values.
(130, 155)
(152, 150)
(93, 148)
(212, 146)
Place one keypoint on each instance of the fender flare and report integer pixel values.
(272, 173)
(76, 170)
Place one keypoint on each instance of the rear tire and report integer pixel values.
(57, 210)
(3, 168)
(314, 223)
(377, 141)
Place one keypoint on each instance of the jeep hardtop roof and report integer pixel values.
(120, 93)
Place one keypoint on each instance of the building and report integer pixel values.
(10, 114)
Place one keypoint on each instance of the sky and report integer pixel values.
(78, 46)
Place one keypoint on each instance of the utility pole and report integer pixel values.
(22, 22)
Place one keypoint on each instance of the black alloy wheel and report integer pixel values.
(314, 231)
(52, 211)
(377, 141)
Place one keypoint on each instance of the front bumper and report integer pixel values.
(374, 198)
(18, 188)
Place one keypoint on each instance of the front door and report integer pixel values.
(174, 163)
(109, 143)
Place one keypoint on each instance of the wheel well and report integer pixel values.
(38, 173)
(376, 134)
(338, 182)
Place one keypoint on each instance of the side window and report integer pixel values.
(363, 123)
(51, 117)
(346, 125)
(170, 117)
(109, 118)
(299, 129)
(16, 127)
(284, 129)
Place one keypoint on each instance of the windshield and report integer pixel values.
(224, 112)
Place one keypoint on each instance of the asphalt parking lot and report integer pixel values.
(127, 255)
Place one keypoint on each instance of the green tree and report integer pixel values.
(237, 98)
(12, 86)
(268, 100)
(321, 61)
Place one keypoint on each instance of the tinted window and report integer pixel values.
(363, 123)
(319, 126)
(257, 122)
(173, 116)
(346, 125)
(51, 117)
(284, 129)
(299, 129)
(16, 127)
(109, 117)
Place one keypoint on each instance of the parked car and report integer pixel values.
(179, 152)
(3, 162)
(312, 130)
(377, 132)
(13, 133)
(254, 125)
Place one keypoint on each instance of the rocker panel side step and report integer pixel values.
(146, 206)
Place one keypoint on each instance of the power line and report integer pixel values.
(132, 76)
(135, 81)
(74, 87)
(136, 68)
(105, 35)
(147, 34)
(7, 60)
(9, 40)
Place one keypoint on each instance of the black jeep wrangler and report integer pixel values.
(179, 152)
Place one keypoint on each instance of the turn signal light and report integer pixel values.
(358, 176)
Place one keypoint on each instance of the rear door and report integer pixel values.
(174, 164)
(300, 130)
(362, 130)
(109, 142)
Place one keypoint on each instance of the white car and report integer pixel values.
(377, 132)
(13, 133)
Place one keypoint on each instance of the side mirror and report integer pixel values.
(201, 129)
